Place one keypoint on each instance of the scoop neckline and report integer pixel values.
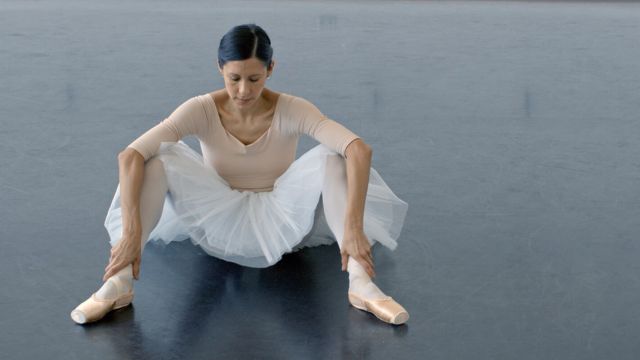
(276, 115)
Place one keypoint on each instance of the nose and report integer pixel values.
(244, 89)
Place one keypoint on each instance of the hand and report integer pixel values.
(127, 251)
(356, 245)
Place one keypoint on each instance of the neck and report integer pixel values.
(247, 114)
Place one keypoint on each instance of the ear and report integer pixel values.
(219, 68)
(270, 68)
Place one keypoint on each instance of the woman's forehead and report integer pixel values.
(245, 66)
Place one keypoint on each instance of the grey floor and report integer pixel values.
(510, 128)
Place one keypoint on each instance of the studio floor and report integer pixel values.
(510, 128)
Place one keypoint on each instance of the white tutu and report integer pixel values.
(254, 228)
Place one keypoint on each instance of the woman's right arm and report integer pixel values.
(131, 174)
(188, 119)
(129, 247)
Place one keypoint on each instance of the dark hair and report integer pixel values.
(244, 42)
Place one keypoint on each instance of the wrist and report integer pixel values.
(354, 223)
(131, 232)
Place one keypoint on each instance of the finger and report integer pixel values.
(116, 269)
(345, 259)
(369, 266)
(136, 269)
(112, 269)
(107, 270)
(106, 276)
(110, 265)
(112, 258)
(365, 265)
(108, 273)
(373, 271)
(367, 258)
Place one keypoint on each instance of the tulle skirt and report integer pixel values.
(255, 228)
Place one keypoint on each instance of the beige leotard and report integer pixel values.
(256, 166)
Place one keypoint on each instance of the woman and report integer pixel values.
(245, 199)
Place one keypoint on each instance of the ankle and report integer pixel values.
(117, 285)
(125, 273)
(356, 270)
(366, 289)
(360, 283)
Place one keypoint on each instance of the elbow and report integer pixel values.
(128, 154)
(367, 149)
(358, 148)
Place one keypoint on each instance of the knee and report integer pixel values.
(336, 164)
(154, 168)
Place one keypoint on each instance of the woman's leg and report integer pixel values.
(152, 195)
(118, 286)
(363, 293)
(334, 197)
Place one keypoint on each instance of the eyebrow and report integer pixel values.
(249, 75)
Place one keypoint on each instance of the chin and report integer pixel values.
(243, 103)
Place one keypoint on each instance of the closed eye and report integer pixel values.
(252, 80)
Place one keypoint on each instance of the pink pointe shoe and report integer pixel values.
(385, 309)
(94, 309)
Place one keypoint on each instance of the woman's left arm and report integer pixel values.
(355, 243)
(306, 118)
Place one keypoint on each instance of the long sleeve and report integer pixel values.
(187, 119)
(309, 120)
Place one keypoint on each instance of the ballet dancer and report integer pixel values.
(246, 199)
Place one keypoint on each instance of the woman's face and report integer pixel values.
(244, 80)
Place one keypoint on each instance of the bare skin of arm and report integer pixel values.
(355, 243)
(128, 249)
